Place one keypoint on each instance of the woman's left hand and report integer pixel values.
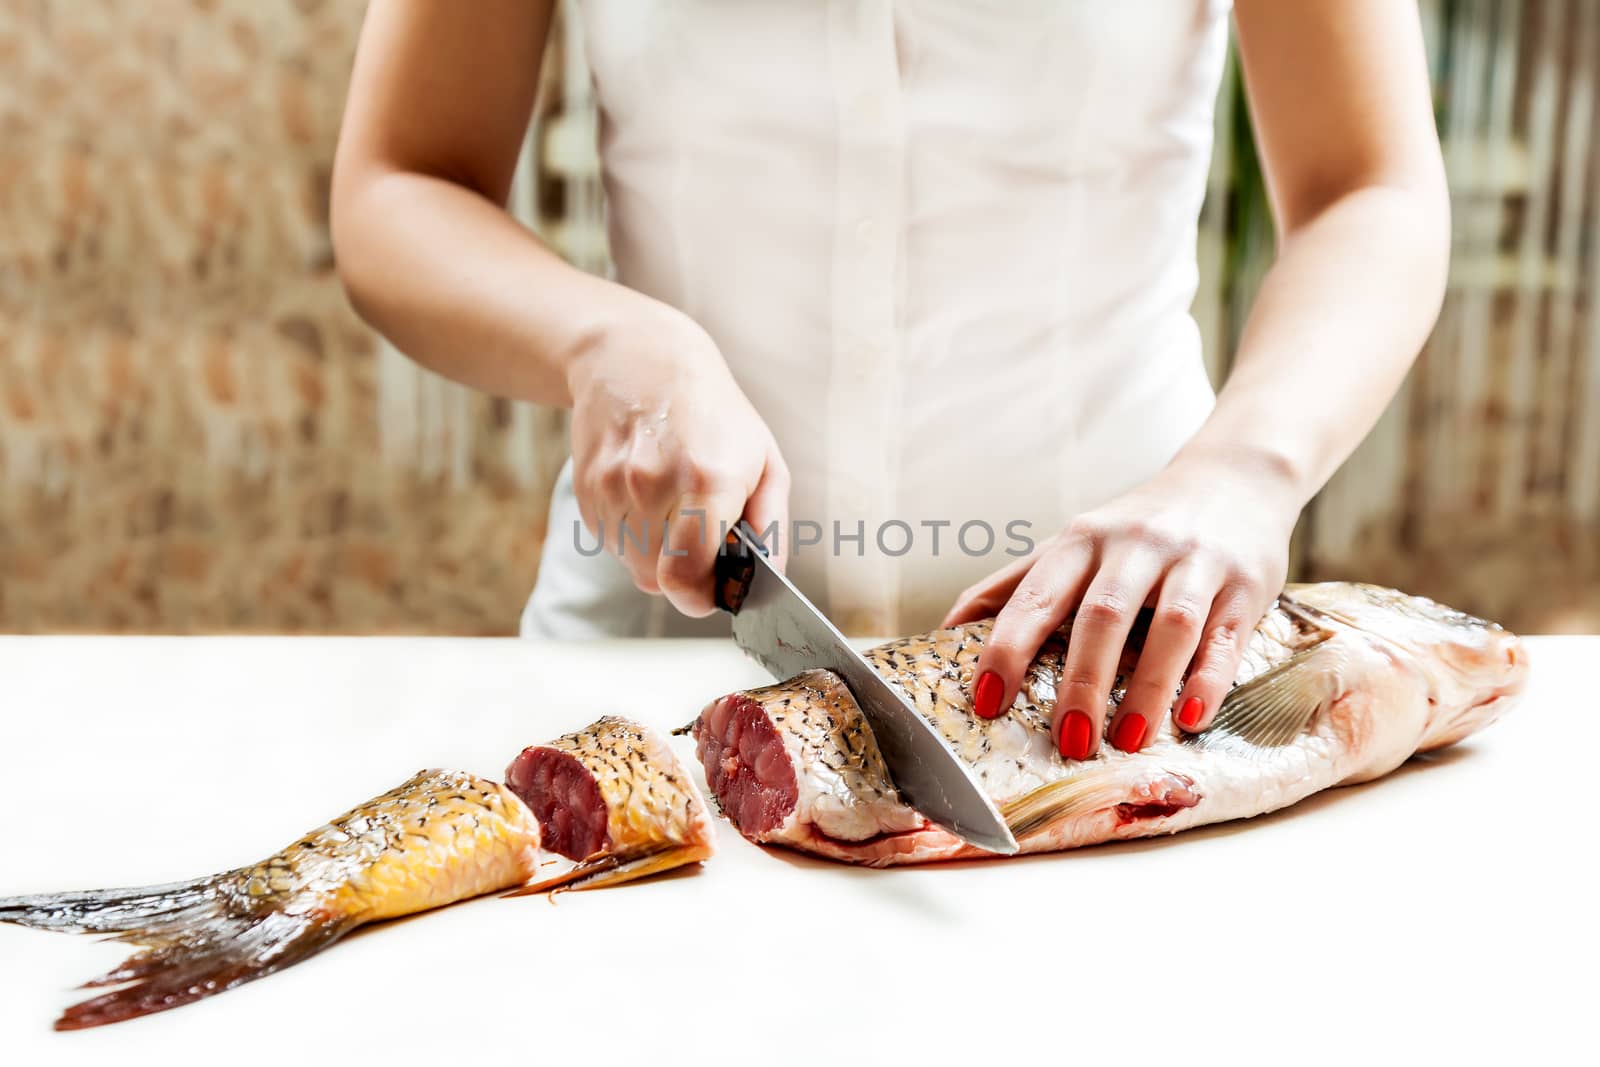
(1204, 543)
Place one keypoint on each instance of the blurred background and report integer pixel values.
(197, 434)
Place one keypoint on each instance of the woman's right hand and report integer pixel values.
(664, 441)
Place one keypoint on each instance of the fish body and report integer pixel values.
(1340, 683)
(614, 799)
(440, 837)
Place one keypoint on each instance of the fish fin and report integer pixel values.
(146, 909)
(205, 937)
(607, 869)
(1325, 618)
(1045, 805)
(1274, 707)
(1151, 794)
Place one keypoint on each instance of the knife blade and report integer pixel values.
(778, 627)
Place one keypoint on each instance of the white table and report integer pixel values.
(1447, 908)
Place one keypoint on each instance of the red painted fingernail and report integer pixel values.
(986, 695)
(1129, 734)
(1189, 717)
(1076, 734)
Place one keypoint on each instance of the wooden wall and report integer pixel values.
(190, 419)
(1482, 483)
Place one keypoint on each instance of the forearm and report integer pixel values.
(460, 286)
(1338, 321)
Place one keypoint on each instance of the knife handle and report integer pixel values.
(733, 571)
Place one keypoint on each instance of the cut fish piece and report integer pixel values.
(1340, 683)
(614, 799)
(440, 837)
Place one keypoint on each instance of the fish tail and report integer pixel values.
(100, 911)
(227, 952)
(610, 869)
(439, 837)
(204, 937)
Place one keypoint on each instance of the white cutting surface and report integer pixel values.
(1445, 909)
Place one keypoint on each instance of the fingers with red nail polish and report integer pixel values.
(1036, 598)
(1076, 740)
(1099, 634)
(986, 695)
(1177, 623)
(1128, 732)
(1216, 662)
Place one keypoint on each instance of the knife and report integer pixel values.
(779, 628)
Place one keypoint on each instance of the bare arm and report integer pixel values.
(439, 103)
(1340, 104)
(661, 435)
(1339, 95)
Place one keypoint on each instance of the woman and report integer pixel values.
(889, 268)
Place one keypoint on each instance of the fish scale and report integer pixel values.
(627, 763)
(1338, 683)
(655, 817)
(440, 837)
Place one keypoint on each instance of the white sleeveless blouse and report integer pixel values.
(947, 248)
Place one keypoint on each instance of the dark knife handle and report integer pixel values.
(733, 571)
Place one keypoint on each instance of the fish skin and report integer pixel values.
(656, 818)
(475, 837)
(440, 837)
(1385, 674)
